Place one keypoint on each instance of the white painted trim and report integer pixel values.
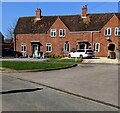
(98, 47)
(69, 47)
(55, 31)
(51, 47)
(24, 45)
(64, 32)
(107, 31)
(115, 31)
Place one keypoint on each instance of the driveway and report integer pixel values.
(96, 81)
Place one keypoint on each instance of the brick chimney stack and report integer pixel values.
(84, 11)
(38, 13)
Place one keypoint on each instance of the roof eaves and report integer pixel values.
(64, 23)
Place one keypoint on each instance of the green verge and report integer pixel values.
(72, 60)
(33, 65)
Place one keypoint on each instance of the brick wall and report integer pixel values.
(58, 42)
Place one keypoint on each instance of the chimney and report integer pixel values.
(84, 11)
(38, 14)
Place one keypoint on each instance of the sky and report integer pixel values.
(11, 11)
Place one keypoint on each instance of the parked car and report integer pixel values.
(84, 53)
(7, 52)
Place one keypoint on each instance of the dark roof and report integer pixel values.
(118, 15)
(28, 25)
(93, 22)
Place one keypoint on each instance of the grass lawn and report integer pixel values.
(32, 65)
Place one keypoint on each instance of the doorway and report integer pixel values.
(111, 47)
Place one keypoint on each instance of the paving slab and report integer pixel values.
(101, 60)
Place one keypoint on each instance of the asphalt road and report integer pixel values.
(99, 82)
(18, 95)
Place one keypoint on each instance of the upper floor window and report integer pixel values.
(53, 33)
(23, 47)
(48, 47)
(66, 47)
(97, 47)
(107, 32)
(62, 33)
(117, 31)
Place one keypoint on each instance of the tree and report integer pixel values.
(10, 31)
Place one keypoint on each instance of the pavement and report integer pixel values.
(23, 59)
(101, 60)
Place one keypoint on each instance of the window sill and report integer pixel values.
(62, 36)
(48, 51)
(107, 35)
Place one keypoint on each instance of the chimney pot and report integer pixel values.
(84, 11)
(38, 13)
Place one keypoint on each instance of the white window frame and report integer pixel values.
(23, 47)
(48, 45)
(62, 32)
(107, 28)
(54, 31)
(117, 30)
(95, 47)
(65, 49)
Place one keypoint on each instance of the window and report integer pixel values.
(107, 32)
(48, 47)
(23, 47)
(117, 31)
(53, 33)
(62, 33)
(97, 47)
(66, 47)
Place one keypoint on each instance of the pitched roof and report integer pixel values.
(28, 25)
(93, 22)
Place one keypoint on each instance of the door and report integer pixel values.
(35, 50)
(82, 46)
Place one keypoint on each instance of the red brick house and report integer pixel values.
(58, 35)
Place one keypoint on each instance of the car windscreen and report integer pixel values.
(89, 51)
(80, 50)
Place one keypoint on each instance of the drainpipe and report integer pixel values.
(92, 40)
(14, 42)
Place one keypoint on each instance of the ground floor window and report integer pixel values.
(97, 47)
(48, 47)
(66, 47)
(23, 47)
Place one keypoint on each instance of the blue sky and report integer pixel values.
(11, 11)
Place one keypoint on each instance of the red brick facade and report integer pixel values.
(73, 38)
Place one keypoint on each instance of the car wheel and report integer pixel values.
(69, 56)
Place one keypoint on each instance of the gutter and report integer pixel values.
(74, 32)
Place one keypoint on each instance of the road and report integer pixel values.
(62, 90)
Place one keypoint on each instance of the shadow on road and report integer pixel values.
(20, 91)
